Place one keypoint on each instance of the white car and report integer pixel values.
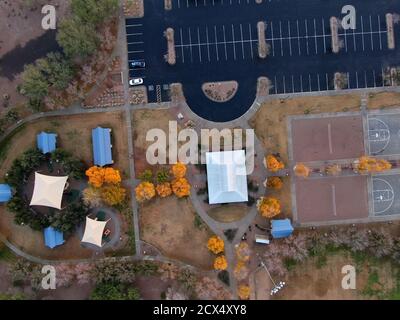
(136, 81)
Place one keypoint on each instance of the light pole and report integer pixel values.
(277, 287)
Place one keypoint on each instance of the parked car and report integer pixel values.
(138, 64)
(136, 81)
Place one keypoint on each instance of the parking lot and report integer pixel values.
(217, 41)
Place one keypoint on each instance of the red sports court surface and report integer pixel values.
(332, 138)
(331, 198)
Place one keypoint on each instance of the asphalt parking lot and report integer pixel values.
(216, 40)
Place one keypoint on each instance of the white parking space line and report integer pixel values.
(241, 38)
(306, 24)
(198, 42)
(190, 47)
(315, 37)
(183, 52)
(216, 42)
(298, 37)
(290, 39)
(280, 32)
(234, 45)
(250, 42)
(323, 33)
(208, 44)
(273, 45)
(226, 51)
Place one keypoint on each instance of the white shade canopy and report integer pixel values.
(48, 191)
(226, 176)
(94, 231)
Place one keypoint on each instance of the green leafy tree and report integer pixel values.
(114, 291)
(67, 220)
(34, 83)
(57, 70)
(76, 38)
(94, 12)
(162, 176)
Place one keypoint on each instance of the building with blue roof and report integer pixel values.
(102, 153)
(46, 142)
(281, 228)
(53, 237)
(5, 193)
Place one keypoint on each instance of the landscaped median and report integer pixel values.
(263, 46)
(134, 8)
(390, 31)
(170, 57)
(334, 24)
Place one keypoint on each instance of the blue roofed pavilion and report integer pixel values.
(101, 139)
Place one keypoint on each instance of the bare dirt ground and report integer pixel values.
(270, 121)
(74, 135)
(20, 24)
(168, 224)
(228, 213)
(73, 292)
(151, 288)
(383, 100)
(142, 121)
(309, 282)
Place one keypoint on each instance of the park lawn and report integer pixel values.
(270, 121)
(169, 225)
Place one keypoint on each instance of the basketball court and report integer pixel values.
(331, 199)
(327, 137)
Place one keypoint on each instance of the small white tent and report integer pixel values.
(94, 231)
(48, 191)
(226, 176)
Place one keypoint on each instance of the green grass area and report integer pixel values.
(5, 253)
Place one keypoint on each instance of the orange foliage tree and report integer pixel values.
(244, 292)
(273, 164)
(216, 245)
(179, 170)
(112, 176)
(274, 183)
(241, 271)
(145, 191)
(370, 164)
(243, 251)
(98, 176)
(113, 194)
(301, 170)
(333, 169)
(268, 207)
(164, 189)
(220, 263)
(181, 187)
